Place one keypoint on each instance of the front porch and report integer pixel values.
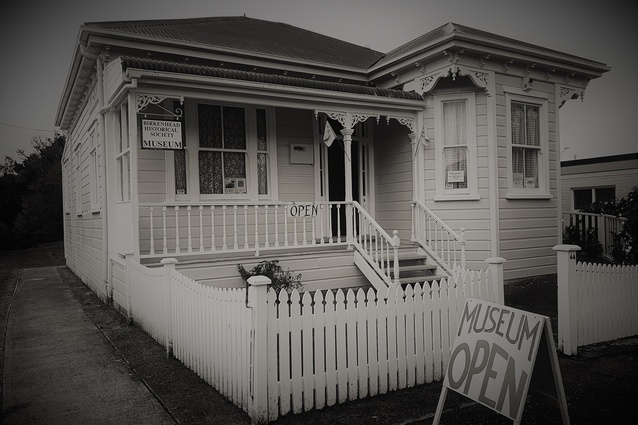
(227, 231)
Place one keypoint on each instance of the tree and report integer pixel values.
(31, 195)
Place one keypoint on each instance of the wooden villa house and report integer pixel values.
(211, 140)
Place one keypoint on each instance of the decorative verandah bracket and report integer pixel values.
(143, 100)
(347, 119)
(480, 78)
(567, 93)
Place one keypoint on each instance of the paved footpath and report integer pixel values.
(60, 369)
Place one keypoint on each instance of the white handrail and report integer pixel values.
(437, 238)
(375, 244)
(605, 226)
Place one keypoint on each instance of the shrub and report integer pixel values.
(625, 243)
(587, 241)
(280, 278)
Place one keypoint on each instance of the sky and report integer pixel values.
(38, 37)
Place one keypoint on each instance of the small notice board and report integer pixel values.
(500, 353)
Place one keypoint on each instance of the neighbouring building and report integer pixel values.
(584, 181)
(210, 138)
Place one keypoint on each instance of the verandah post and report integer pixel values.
(495, 266)
(257, 288)
(567, 298)
(168, 267)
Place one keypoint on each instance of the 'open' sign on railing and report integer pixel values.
(303, 210)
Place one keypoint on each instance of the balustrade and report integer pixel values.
(182, 229)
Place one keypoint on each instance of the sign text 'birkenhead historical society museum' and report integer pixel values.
(159, 134)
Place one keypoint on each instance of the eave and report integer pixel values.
(507, 52)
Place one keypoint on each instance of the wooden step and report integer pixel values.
(420, 279)
(411, 256)
(417, 267)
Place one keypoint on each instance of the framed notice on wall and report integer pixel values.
(301, 154)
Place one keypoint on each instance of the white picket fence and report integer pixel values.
(277, 354)
(596, 302)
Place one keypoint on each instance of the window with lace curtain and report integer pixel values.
(527, 137)
(455, 146)
(230, 155)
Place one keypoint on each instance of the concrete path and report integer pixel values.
(60, 369)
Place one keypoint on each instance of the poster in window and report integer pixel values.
(229, 186)
(518, 179)
(456, 176)
(530, 181)
(240, 185)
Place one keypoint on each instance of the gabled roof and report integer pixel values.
(249, 35)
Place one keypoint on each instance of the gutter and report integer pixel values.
(118, 96)
(275, 90)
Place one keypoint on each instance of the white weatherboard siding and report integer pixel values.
(527, 227)
(118, 282)
(151, 175)
(84, 214)
(113, 78)
(393, 178)
(296, 181)
(151, 187)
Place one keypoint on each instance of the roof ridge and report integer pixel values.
(148, 22)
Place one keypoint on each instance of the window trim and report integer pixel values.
(471, 192)
(541, 100)
(78, 177)
(94, 176)
(123, 158)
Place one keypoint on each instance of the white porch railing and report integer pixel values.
(379, 249)
(446, 247)
(603, 226)
(182, 229)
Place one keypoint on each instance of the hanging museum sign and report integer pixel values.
(162, 134)
(499, 353)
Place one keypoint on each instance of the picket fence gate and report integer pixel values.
(596, 302)
(273, 354)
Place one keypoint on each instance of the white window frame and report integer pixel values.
(541, 100)
(471, 192)
(67, 186)
(77, 159)
(93, 168)
(192, 156)
(123, 158)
